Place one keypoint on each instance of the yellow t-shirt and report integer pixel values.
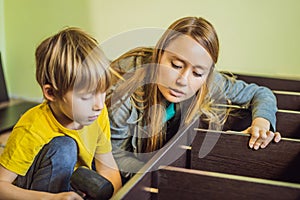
(38, 126)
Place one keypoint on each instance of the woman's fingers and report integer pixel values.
(261, 138)
(270, 136)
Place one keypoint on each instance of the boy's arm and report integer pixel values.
(10, 191)
(107, 167)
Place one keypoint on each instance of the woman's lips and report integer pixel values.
(176, 93)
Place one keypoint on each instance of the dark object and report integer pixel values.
(10, 115)
(93, 185)
(10, 112)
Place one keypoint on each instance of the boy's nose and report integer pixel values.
(99, 102)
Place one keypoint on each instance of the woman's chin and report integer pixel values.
(173, 99)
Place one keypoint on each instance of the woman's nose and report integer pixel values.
(183, 78)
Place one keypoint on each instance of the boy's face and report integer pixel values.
(76, 110)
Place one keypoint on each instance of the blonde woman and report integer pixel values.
(159, 89)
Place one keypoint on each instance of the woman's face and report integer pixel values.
(184, 67)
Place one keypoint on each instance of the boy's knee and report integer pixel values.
(65, 148)
(65, 144)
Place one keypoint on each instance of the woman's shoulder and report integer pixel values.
(138, 52)
(222, 77)
(132, 59)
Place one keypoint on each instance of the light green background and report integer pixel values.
(259, 37)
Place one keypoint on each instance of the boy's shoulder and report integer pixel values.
(103, 117)
(35, 116)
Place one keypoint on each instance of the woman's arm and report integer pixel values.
(123, 115)
(123, 124)
(262, 103)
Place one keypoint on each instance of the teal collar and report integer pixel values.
(170, 112)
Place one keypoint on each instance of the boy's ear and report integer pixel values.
(48, 92)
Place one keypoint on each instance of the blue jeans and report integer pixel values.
(52, 167)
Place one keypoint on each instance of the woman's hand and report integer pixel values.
(260, 134)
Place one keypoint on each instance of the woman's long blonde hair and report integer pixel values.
(149, 96)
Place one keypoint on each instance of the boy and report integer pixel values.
(68, 130)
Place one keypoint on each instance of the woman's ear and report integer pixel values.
(48, 92)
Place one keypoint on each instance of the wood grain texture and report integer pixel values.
(176, 183)
(172, 153)
(231, 154)
(284, 101)
(274, 83)
(288, 124)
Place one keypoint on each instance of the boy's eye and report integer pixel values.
(86, 97)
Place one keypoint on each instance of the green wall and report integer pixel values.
(2, 38)
(256, 36)
(27, 23)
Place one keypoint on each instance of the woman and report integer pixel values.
(157, 89)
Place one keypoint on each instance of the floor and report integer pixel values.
(3, 139)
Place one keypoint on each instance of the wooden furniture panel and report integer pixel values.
(231, 154)
(178, 183)
(287, 91)
(288, 124)
(274, 83)
(288, 102)
(173, 153)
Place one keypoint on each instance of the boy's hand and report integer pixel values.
(66, 196)
(260, 134)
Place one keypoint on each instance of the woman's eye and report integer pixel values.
(176, 66)
(197, 74)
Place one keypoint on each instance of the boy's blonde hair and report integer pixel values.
(72, 60)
